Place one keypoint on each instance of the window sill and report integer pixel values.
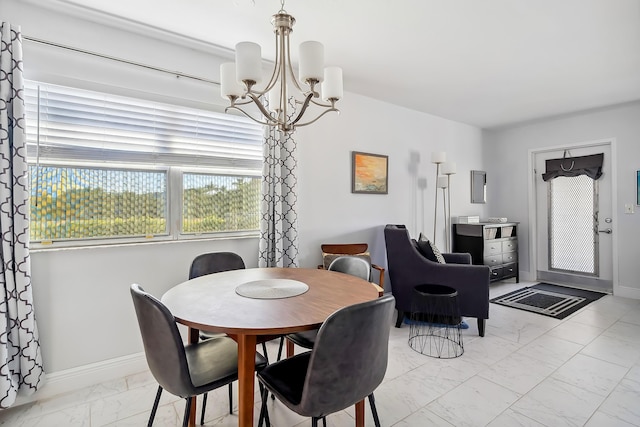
(161, 240)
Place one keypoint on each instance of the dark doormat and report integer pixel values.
(549, 300)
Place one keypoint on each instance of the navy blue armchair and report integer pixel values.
(409, 268)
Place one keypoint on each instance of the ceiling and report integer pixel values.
(488, 63)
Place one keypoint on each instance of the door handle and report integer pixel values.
(607, 230)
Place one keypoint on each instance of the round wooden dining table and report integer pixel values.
(210, 303)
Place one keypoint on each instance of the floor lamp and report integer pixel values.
(442, 183)
(437, 157)
(448, 169)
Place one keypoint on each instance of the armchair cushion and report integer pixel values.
(457, 258)
(429, 250)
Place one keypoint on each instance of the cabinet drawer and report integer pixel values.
(509, 270)
(496, 273)
(493, 260)
(509, 246)
(491, 248)
(510, 257)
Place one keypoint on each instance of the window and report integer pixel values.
(219, 203)
(106, 167)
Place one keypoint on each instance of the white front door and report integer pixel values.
(574, 223)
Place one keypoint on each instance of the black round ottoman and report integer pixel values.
(435, 322)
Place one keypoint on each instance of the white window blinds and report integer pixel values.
(73, 124)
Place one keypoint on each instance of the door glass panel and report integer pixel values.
(572, 219)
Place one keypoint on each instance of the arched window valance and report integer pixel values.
(574, 166)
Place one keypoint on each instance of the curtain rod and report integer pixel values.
(124, 61)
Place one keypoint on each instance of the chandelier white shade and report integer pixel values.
(314, 84)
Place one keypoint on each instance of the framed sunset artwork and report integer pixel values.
(370, 173)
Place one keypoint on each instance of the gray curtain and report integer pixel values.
(279, 219)
(20, 359)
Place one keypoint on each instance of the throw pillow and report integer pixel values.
(429, 250)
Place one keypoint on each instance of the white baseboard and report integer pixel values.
(87, 375)
(526, 276)
(626, 292)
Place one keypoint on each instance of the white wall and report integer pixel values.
(330, 213)
(82, 302)
(83, 306)
(507, 164)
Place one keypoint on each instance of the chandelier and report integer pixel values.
(239, 80)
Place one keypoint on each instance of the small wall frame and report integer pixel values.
(638, 188)
(478, 187)
(369, 173)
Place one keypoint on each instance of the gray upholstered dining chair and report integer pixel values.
(210, 263)
(345, 264)
(346, 364)
(331, 251)
(183, 370)
(215, 262)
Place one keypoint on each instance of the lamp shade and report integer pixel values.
(332, 85)
(449, 168)
(229, 86)
(442, 182)
(311, 61)
(248, 62)
(438, 157)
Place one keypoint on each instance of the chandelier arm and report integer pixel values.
(305, 94)
(314, 102)
(267, 115)
(304, 107)
(321, 104)
(290, 67)
(233, 107)
(241, 103)
(284, 47)
(274, 75)
(330, 110)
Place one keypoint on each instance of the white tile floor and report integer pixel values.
(529, 370)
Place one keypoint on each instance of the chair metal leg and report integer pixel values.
(266, 410)
(273, 397)
(280, 349)
(374, 411)
(204, 406)
(230, 398)
(187, 411)
(278, 359)
(314, 422)
(155, 407)
(264, 413)
(264, 350)
(324, 421)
